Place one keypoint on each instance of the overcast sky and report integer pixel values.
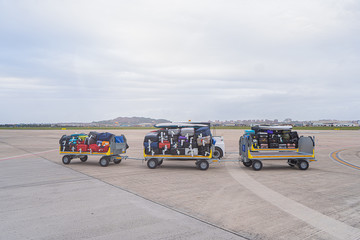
(65, 61)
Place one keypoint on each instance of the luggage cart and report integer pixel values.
(201, 162)
(300, 157)
(114, 154)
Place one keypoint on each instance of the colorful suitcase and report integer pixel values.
(82, 148)
(201, 141)
(94, 147)
(104, 149)
(164, 144)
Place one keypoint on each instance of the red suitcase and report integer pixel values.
(82, 148)
(104, 149)
(94, 147)
(163, 144)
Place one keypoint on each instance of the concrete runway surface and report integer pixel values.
(41, 198)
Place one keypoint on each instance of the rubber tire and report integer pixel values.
(257, 165)
(104, 161)
(117, 161)
(84, 158)
(247, 164)
(203, 165)
(303, 165)
(160, 162)
(218, 153)
(291, 164)
(66, 159)
(152, 163)
(197, 164)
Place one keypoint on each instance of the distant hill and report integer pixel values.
(131, 121)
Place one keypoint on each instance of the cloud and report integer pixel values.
(91, 60)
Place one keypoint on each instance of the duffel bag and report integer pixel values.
(203, 131)
(104, 136)
(119, 139)
(187, 132)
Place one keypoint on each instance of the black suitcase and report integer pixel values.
(173, 151)
(155, 150)
(273, 145)
(204, 150)
(93, 135)
(152, 136)
(294, 135)
(273, 140)
(263, 141)
(186, 145)
(181, 151)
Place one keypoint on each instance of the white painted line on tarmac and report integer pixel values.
(312, 217)
(28, 154)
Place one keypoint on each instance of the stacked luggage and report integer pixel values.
(282, 139)
(190, 141)
(93, 142)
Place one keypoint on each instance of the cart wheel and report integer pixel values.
(197, 164)
(291, 163)
(257, 165)
(117, 161)
(203, 165)
(104, 161)
(84, 158)
(152, 163)
(303, 165)
(66, 159)
(247, 164)
(160, 162)
(217, 153)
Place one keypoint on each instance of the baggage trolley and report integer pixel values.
(114, 154)
(299, 157)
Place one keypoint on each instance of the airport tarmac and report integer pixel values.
(43, 199)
